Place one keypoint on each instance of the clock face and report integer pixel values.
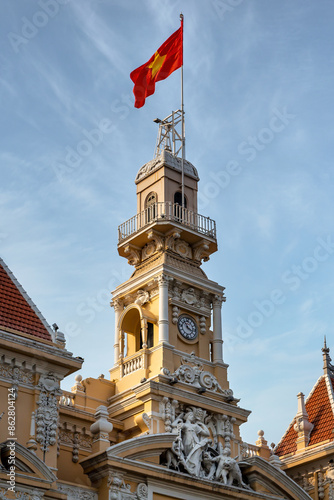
(187, 327)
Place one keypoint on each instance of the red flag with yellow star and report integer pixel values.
(164, 61)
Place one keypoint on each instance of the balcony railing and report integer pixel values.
(132, 365)
(167, 211)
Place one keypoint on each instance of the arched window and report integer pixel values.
(151, 206)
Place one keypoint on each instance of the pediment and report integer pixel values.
(26, 462)
(261, 475)
(140, 447)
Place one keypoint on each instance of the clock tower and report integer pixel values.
(169, 307)
(168, 325)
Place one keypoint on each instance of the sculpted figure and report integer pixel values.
(194, 437)
(228, 469)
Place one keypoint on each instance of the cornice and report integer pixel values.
(163, 268)
(39, 350)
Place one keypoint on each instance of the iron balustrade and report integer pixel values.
(168, 211)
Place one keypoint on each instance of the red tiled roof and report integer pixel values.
(319, 409)
(17, 311)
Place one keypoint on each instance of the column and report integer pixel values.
(118, 307)
(163, 309)
(217, 328)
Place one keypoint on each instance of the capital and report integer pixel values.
(163, 280)
(218, 300)
(117, 304)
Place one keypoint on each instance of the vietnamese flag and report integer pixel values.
(164, 61)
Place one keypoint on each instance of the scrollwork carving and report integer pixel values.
(191, 372)
(142, 491)
(201, 252)
(133, 255)
(170, 240)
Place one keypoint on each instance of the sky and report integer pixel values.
(258, 87)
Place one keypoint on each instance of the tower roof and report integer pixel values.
(320, 408)
(166, 158)
(18, 313)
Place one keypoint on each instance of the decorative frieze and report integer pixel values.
(22, 494)
(77, 493)
(16, 375)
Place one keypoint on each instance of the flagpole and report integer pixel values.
(182, 123)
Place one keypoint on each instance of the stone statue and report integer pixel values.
(197, 448)
(193, 440)
(228, 470)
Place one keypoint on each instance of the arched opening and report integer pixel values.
(136, 330)
(178, 199)
(178, 209)
(151, 206)
(131, 333)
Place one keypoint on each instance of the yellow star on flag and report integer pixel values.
(156, 63)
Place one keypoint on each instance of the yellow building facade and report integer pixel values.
(166, 424)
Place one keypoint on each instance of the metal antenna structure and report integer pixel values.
(169, 137)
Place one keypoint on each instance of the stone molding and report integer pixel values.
(25, 342)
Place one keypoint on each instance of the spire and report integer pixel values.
(303, 426)
(328, 367)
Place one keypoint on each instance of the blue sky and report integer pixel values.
(259, 128)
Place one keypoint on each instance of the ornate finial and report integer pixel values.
(325, 348)
(302, 424)
(328, 367)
